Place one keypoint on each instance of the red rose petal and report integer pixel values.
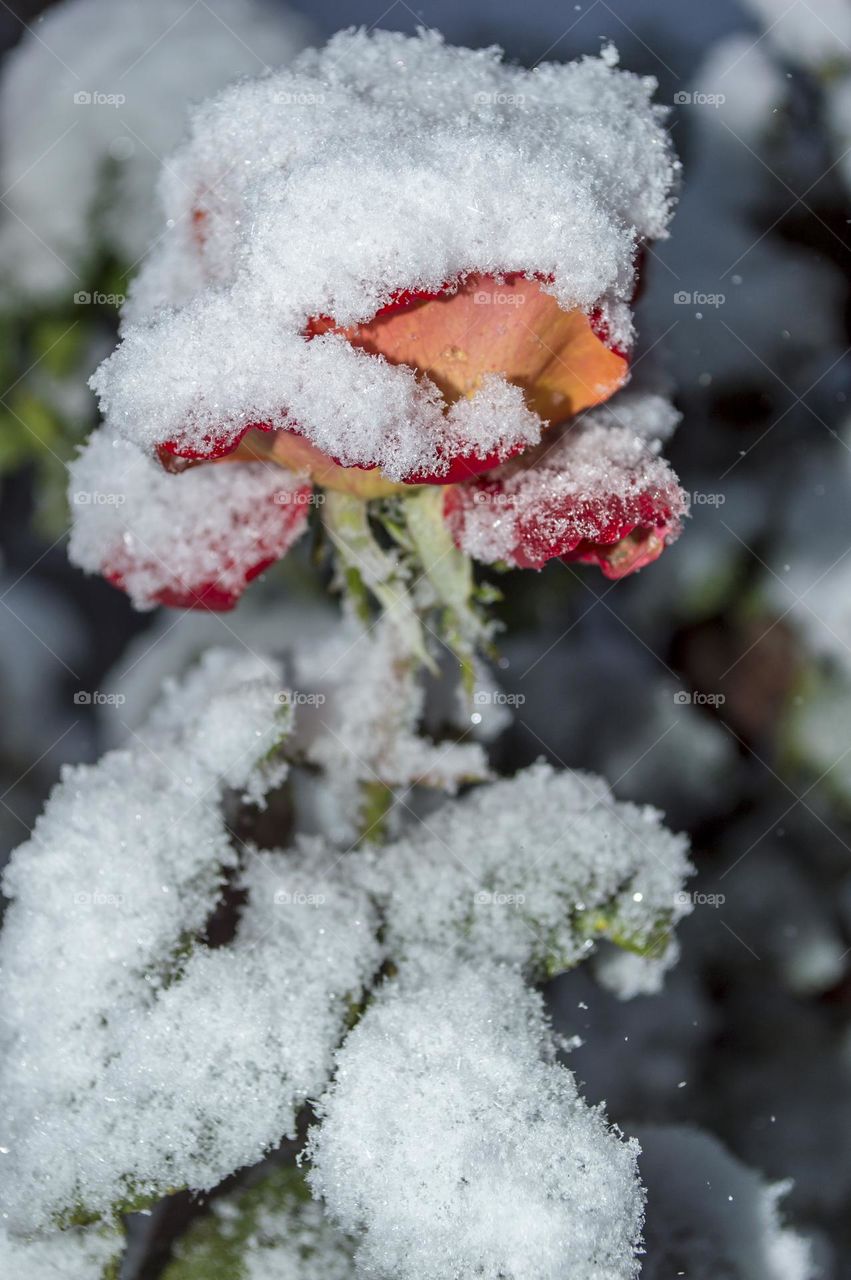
(597, 495)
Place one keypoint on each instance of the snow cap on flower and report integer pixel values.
(382, 164)
(190, 540)
(599, 494)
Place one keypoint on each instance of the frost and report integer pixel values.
(73, 1255)
(178, 538)
(273, 1231)
(64, 129)
(708, 1215)
(590, 487)
(149, 1060)
(532, 871)
(380, 163)
(459, 1147)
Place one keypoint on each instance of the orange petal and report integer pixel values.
(297, 454)
(513, 328)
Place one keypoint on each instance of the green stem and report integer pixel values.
(367, 566)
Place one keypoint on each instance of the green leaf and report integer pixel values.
(275, 1218)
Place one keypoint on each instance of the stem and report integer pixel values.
(450, 574)
(366, 565)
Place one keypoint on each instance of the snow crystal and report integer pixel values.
(93, 100)
(647, 415)
(591, 484)
(71, 1255)
(708, 1215)
(456, 1144)
(532, 871)
(380, 163)
(273, 1231)
(154, 531)
(147, 1060)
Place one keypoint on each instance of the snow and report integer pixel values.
(146, 1059)
(650, 416)
(380, 163)
(363, 702)
(709, 1215)
(517, 1178)
(593, 483)
(159, 531)
(146, 55)
(532, 871)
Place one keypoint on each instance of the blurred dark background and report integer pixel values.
(716, 683)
